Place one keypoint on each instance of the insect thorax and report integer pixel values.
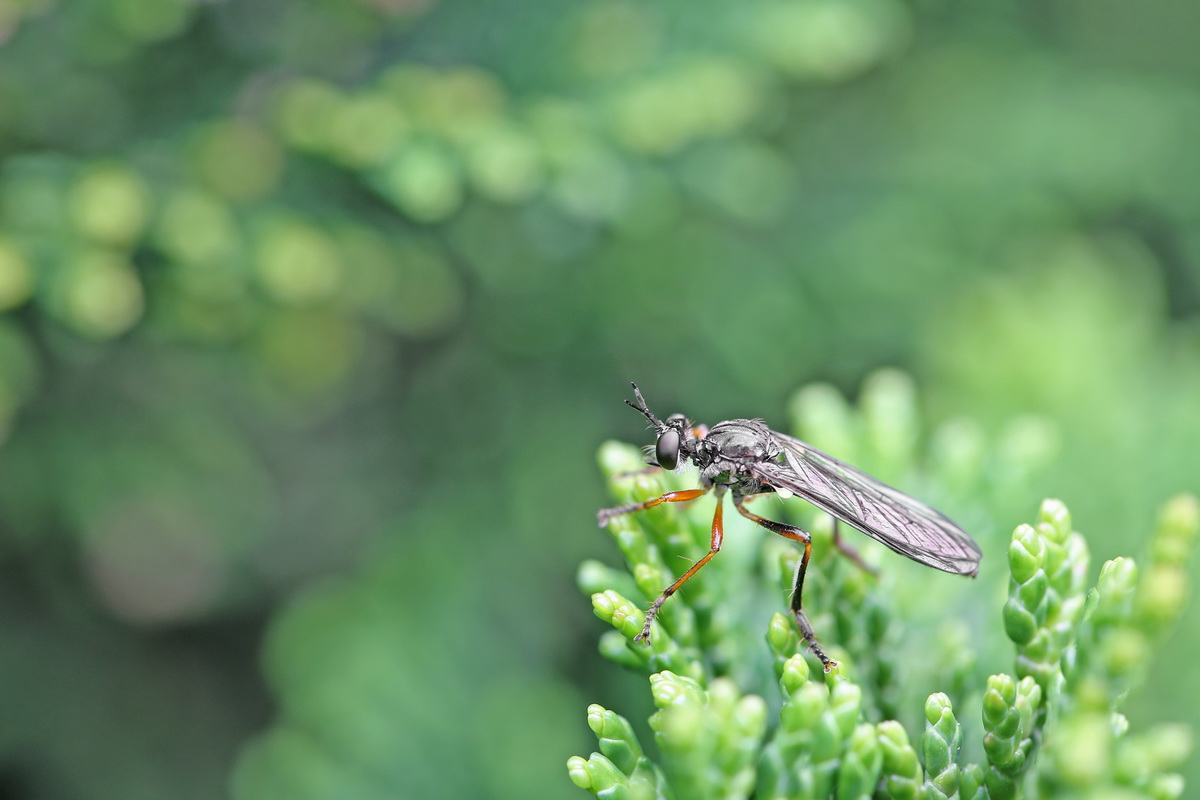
(730, 448)
(741, 439)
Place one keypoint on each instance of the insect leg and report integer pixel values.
(714, 546)
(796, 535)
(849, 552)
(605, 514)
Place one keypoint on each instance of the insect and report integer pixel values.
(745, 457)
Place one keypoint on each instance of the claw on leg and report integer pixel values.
(605, 514)
(714, 547)
(796, 535)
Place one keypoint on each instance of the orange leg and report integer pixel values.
(796, 535)
(714, 546)
(605, 514)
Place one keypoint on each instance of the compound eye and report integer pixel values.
(666, 453)
(677, 418)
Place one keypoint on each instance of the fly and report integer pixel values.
(746, 458)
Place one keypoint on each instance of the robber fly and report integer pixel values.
(748, 458)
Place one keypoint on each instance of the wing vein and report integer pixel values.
(904, 524)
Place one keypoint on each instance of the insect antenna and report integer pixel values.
(641, 406)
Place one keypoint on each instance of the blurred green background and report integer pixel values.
(314, 315)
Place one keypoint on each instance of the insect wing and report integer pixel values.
(908, 526)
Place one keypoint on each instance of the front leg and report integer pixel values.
(605, 514)
(714, 546)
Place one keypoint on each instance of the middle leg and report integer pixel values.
(796, 535)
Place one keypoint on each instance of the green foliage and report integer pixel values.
(1054, 729)
(284, 285)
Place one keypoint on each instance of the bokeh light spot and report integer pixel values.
(305, 111)
(98, 294)
(424, 182)
(702, 98)
(109, 204)
(504, 164)
(153, 562)
(297, 262)
(459, 102)
(366, 129)
(830, 39)
(196, 227)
